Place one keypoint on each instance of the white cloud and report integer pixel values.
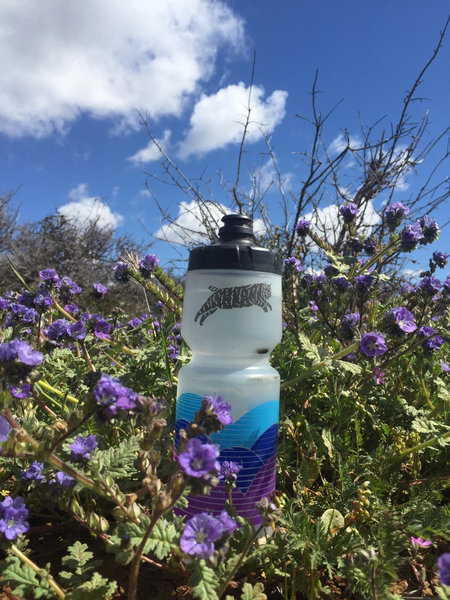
(217, 120)
(327, 223)
(189, 226)
(84, 209)
(340, 143)
(151, 153)
(63, 59)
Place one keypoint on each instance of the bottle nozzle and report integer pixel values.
(237, 227)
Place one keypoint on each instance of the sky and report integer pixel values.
(78, 78)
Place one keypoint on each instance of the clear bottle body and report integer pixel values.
(232, 321)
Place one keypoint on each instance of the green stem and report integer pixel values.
(63, 311)
(41, 572)
(320, 365)
(423, 445)
(234, 570)
(50, 457)
(47, 386)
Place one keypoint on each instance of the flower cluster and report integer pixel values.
(113, 397)
(147, 265)
(394, 214)
(203, 531)
(82, 447)
(349, 212)
(294, 263)
(302, 227)
(12, 517)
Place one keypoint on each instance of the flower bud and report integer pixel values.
(76, 508)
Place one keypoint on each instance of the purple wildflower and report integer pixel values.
(418, 542)
(99, 290)
(20, 351)
(399, 319)
(440, 258)
(294, 262)
(62, 479)
(229, 525)
(348, 324)
(302, 227)
(430, 229)
(133, 323)
(197, 459)
(342, 283)
(102, 329)
(113, 396)
(173, 352)
(199, 535)
(57, 330)
(218, 408)
(370, 246)
(372, 344)
(411, 235)
(42, 300)
(81, 447)
(4, 429)
(229, 471)
(68, 288)
(432, 343)
(445, 368)
(349, 212)
(121, 271)
(430, 285)
(394, 214)
(3, 303)
(33, 473)
(20, 391)
(355, 244)
(49, 276)
(330, 270)
(378, 376)
(77, 330)
(147, 264)
(12, 517)
(72, 309)
(364, 282)
(444, 568)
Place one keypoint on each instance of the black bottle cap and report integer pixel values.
(235, 249)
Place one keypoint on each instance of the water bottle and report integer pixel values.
(231, 322)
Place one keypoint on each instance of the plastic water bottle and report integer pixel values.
(231, 322)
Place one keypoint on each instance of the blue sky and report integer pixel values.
(73, 86)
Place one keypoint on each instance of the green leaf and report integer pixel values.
(250, 592)
(24, 580)
(203, 582)
(161, 539)
(347, 366)
(97, 588)
(310, 350)
(118, 461)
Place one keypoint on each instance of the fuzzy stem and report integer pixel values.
(41, 572)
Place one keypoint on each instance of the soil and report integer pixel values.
(49, 542)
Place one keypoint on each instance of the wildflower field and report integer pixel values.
(88, 479)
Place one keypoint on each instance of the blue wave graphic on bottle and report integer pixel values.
(251, 442)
